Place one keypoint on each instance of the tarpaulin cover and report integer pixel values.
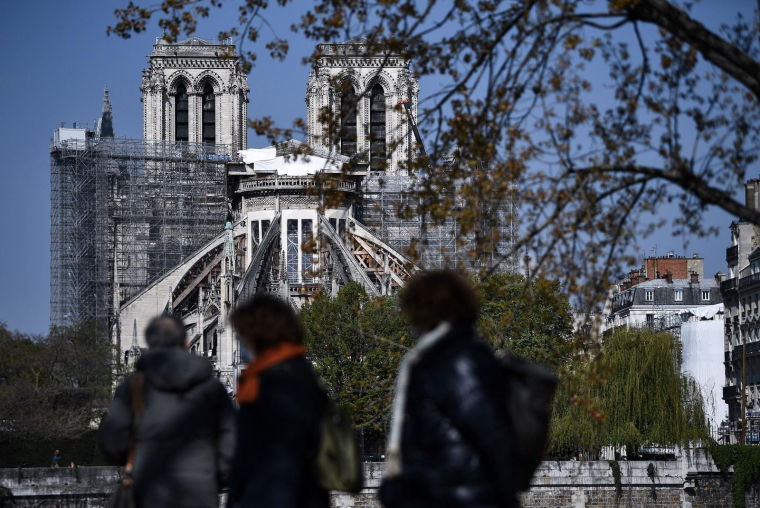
(265, 160)
(706, 311)
(702, 346)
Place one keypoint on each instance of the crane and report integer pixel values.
(405, 102)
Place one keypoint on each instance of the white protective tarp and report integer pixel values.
(706, 311)
(703, 352)
(265, 160)
(253, 155)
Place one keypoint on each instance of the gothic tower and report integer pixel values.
(193, 92)
(363, 88)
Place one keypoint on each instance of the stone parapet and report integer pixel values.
(689, 482)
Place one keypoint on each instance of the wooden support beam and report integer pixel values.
(189, 289)
(378, 258)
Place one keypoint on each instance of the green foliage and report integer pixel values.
(347, 338)
(746, 462)
(533, 320)
(53, 387)
(634, 395)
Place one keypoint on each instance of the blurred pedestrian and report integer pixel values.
(56, 458)
(450, 442)
(185, 436)
(279, 422)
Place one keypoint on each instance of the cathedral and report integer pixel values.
(193, 221)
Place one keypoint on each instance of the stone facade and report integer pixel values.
(354, 66)
(195, 63)
(741, 296)
(658, 304)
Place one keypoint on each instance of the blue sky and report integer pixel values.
(56, 60)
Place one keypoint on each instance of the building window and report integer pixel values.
(264, 228)
(181, 130)
(255, 231)
(306, 257)
(705, 294)
(377, 147)
(679, 295)
(649, 296)
(291, 251)
(348, 113)
(650, 319)
(209, 114)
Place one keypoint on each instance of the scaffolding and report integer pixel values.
(439, 244)
(123, 213)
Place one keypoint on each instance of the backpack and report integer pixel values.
(530, 388)
(338, 465)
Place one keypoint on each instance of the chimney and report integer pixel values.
(751, 193)
(694, 278)
(696, 255)
(720, 277)
(669, 277)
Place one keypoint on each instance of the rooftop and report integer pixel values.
(677, 283)
(196, 41)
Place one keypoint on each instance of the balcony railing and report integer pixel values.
(753, 348)
(285, 183)
(732, 253)
(730, 392)
(728, 285)
(749, 280)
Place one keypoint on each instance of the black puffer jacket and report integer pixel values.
(456, 442)
(186, 437)
(278, 439)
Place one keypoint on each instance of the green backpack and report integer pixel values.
(338, 465)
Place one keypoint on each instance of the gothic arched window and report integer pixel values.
(348, 110)
(181, 130)
(377, 148)
(209, 114)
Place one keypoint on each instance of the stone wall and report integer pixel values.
(81, 487)
(690, 482)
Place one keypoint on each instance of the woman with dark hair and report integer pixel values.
(450, 442)
(279, 423)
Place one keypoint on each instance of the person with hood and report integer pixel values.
(280, 417)
(450, 441)
(185, 440)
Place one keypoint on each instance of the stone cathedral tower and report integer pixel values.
(193, 92)
(363, 88)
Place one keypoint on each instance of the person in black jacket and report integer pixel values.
(450, 442)
(279, 422)
(185, 438)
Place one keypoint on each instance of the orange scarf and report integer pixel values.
(248, 383)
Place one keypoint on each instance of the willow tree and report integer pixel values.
(641, 398)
